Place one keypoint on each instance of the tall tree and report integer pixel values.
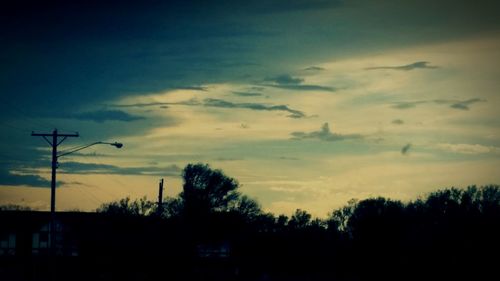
(207, 190)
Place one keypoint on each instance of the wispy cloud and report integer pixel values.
(247, 94)
(464, 105)
(253, 106)
(464, 148)
(398, 122)
(194, 88)
(323, 134)
(406, 149)
(103, 116)
(13, 179)
(289, 82)
(285, 79)
(314, 68)
(94, 168)
(455, 104)
(407, 67)
(210, 102)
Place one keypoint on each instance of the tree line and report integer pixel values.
(450, 234)
(211, 231)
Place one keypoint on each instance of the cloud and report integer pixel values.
(464, 105)
(305, 87)
(407, 104)
(288, 158)
(210, 102)
(464, 148)
(406, 149)
(407, 67)
(8, 178)
(253, 106)
(398, 122)
(160, 104)
(455, 104)
(194, 88)
(288, 82)
(323, 134)
(104, 115)
(285, 79)
(247, 94)
(94, 168)
(314, 68)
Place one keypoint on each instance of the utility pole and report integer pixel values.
(160, 197)
(53, 143)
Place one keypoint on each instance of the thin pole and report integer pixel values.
(160, 197)
(54, 167)
(54, 143)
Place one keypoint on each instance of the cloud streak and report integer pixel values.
(210, 102)
(406, 149)
(247, 94)
(455, 104)
(94, 168)
(289, 82)
(254, 106)
(8, 178)
(407, 67)
(101, 116)
(324, 134)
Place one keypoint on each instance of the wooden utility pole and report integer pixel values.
(160, 197)
(53, 143)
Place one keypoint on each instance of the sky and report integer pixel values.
(308, 104)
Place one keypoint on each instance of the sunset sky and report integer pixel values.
(306, 103)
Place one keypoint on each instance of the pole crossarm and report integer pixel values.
(51, 134)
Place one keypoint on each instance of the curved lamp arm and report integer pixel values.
(115, 144)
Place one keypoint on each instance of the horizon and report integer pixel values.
(308, 104)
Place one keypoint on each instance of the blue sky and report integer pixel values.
(307, 103)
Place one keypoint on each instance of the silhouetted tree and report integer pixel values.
(206, 190)
(172, 208)
(140, 207)
(300, 220)
(14, 207)
(246, 207)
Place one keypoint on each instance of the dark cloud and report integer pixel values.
(161, 104)
(397, 122)
(285, 79)
(195, 88)
(209, 102)
(289, 82)
(464, 105)
(226, 159)
(104, 115)
(407, 105)
(314, 68)
(247, 94)
(406, 149)
(15, 179)
(289, 158)
(411, 66)
(305, 87)
(253, 106)
(455, 104)
(324, 134)
(94, 168)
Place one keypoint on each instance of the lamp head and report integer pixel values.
(117, 144)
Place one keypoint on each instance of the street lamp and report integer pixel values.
(115, 144)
